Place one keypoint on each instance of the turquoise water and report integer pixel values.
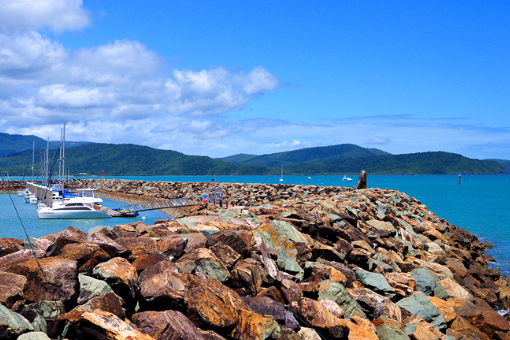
(480, 205)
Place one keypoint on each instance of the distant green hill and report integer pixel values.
(136, 160)
(415, 163)
(323, 154)
(11, 144)
(129, 159)
(238, 159)
(506, 163)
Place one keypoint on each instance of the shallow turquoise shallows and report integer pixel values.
(481, 204)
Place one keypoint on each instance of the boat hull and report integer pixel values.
(71, 214)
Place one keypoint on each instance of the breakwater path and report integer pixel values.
(280, 262)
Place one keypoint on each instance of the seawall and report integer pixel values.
(281, 262)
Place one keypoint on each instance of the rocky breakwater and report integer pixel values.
(327, 263)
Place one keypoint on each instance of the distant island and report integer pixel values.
(135, 160)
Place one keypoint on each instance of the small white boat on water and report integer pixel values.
(281, 178)
(83, 204)
(75, 209)
(346, 179)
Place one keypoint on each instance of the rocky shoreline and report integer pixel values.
(273, 262)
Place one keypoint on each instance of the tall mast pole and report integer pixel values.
(33, 159)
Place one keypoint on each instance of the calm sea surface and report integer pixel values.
(481, 204)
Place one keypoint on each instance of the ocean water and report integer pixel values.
(481, 204)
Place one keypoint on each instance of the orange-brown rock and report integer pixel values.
(319, 317)
(87, 255)
(444, 308)
(173, 246)
(102, 325)
(145, 261)
(58, 279)
(162, 287)
(167, 325)
(120, 275)
(11, 288)
(388, 329)
(253, 326)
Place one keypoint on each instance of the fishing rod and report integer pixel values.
(24, 229)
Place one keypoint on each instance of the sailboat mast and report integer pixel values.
(47, 162)
(33, 159)
(63, 155)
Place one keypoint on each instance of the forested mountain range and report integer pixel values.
(322, 153)
(136, 160)
(11, 144)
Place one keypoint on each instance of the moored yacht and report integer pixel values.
(71, 209)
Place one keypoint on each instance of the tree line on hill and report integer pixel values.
(136, 160)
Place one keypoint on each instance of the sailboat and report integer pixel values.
(281, 178)
(58, 204)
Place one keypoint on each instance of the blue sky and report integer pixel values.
(218, 78)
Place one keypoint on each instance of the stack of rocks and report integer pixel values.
(301, 262)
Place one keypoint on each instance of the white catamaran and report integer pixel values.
(56, 203)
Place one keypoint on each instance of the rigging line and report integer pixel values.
(24, 229)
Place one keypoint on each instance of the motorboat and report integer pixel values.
(346, 179)
(76, 209)
(82, 204)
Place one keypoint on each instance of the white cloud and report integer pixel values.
(61, 95)
(260, 80)
(379, 141)
(24, 56)
(27, 15)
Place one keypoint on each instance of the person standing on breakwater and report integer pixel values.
(362, 182)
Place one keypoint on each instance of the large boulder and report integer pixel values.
(286, 250)
(13, 324)
(320, 318)
(330, 290)
(162, 287)
(255, 326)
(210, 303)
(239, 240)
(203, 260)
(90, 288)
(279, 311)
(388, 329)
(120, 275)
(55, 279)
(101, 325)
(108, 244)
(167, 325)
(448, 288)
(375, 281)
(11, 288)
(426, 280)
(87, 255)
(375, 305)
(419, 304)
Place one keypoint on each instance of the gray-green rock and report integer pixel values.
(331, 290)
(13, 324)
(290, 231)
(426, 280)
(90, 288)
(34, 336)
(419, 304)
(375, 281)
(287, 252)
